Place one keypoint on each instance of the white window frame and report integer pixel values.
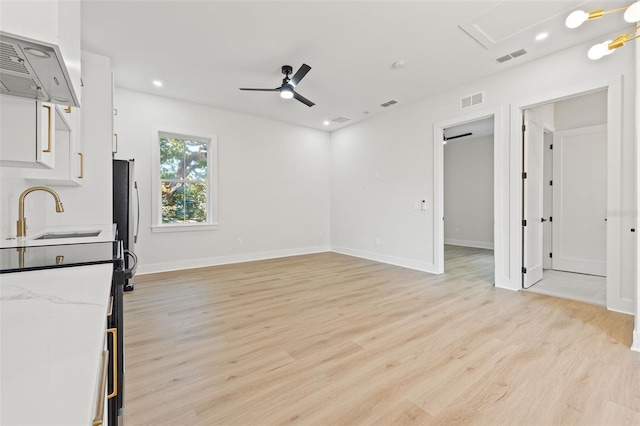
(212, 180)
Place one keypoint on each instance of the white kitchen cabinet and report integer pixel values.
(55, 22)
(69, 162)
(27, 133)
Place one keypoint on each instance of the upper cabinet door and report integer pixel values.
(27, 134)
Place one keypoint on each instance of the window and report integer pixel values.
(184, 181)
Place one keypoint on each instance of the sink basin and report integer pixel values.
(71, 234)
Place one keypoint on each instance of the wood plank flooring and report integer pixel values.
(328, 339)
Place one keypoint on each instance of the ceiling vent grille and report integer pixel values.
(472, 100)
(340, 119)
(510, 56)
(388, 103)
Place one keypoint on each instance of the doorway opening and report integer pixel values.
(564, 203)
(468, 182)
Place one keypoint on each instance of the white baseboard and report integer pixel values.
(635, 346)
(398, 261)
(224, 260)
(623, 306)
(465, 243)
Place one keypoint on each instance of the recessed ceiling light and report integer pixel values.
(157, 83)
(326, 122)
(542, 36)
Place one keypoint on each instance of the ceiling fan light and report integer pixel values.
(286, 92)
(575, 19)
(632, 14)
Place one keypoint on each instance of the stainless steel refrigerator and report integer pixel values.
(126, 208)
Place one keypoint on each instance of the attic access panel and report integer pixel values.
(508, 18)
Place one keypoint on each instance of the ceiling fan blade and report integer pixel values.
(302, 71)
(302, 99)
(261, 90)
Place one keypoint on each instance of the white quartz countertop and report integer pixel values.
(106, 232)
(52, 334)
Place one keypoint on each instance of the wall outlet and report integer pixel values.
(239, 241)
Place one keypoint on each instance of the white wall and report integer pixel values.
(468, 192)
(582, 111)
(273, 184)
(400, 146)
(85, 205)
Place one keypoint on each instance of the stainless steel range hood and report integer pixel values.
(34, 70)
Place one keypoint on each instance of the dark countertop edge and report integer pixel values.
(64, 265)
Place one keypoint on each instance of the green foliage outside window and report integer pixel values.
(183, 178)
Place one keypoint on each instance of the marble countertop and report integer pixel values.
(106, 233)
(52, 334)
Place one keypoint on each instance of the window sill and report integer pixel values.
(184, 227)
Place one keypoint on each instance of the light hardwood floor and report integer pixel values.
(328, 339)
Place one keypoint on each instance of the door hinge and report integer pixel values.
(524, 270)
(524, 222)
(550, 183)
(524, 175)
(551, 146)
(524, 128)
(550, 219)
(551, 255)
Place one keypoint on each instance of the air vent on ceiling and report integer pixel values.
(510, 56)
(472, 100)
(340, 119)
(388, 103)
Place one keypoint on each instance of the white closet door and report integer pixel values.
(533, 140)
(580, 200)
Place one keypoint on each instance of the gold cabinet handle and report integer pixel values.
(97, 421)
(81, 165)
(49, 136)
(116, 136)
(114, 335)
(68, 110)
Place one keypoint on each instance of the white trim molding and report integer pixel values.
(225, 260)
(212, 179)
(465, 243)
(392, 260)
(613, 86)
(635, 346)
(500, 190)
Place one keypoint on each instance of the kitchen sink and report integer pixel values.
(71, 234)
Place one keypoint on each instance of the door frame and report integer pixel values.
(614, 179)
(500, 189)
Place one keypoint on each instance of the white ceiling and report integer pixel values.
(203, 51)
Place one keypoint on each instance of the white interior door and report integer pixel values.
(533, 150)
(547, 209)
(580, 200)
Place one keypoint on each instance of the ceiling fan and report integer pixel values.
(288, 84)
